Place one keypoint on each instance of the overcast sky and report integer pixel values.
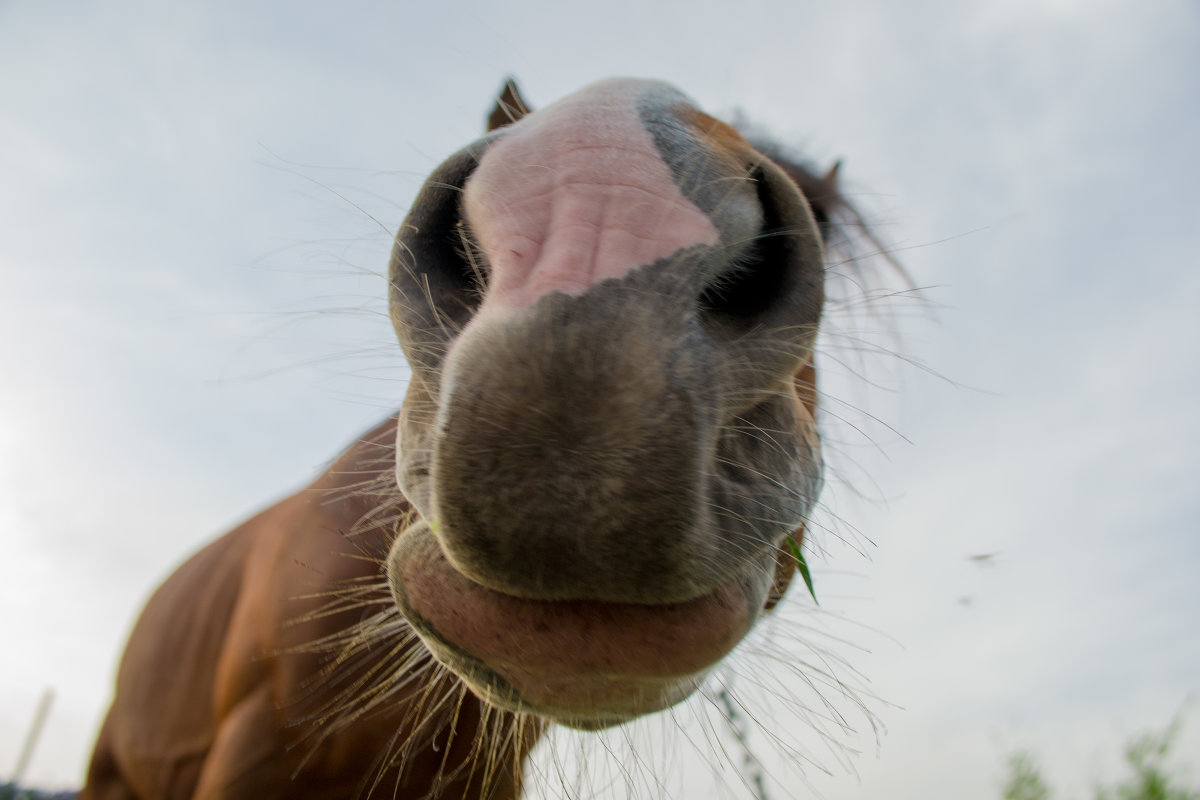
(196, 201)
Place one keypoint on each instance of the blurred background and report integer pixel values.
(196, 204)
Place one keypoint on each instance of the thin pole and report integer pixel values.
(35, 730)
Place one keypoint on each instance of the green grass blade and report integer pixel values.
(802, 565)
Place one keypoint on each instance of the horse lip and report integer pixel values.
(583, 662)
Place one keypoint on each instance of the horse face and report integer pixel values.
(609, 307)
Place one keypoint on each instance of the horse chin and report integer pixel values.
(587, 664)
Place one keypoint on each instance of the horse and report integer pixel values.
(597, 483)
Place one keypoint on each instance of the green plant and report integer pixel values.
(802, 565)
(1024, 779)
(1146, 756)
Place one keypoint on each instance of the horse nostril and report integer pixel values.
(744, 289)
(752, 283)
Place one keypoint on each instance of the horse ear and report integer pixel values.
(509, 108)
(831, 180)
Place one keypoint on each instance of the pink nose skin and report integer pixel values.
(576, 194)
